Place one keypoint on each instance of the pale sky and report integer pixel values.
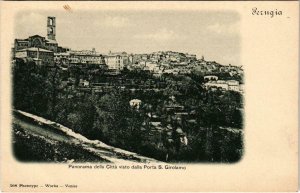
(215, 35)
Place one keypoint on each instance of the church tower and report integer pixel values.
(51, 28)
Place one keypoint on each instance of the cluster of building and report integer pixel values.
(46, 51)
(162, 62)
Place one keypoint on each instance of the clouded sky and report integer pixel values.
(215, 35)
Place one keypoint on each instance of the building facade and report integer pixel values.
(116, 61)
(38, 55)
(86, 57)
(36, 41)
(231, 85)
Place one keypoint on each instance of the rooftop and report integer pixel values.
(34, 49)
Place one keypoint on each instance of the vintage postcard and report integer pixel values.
(149, 96)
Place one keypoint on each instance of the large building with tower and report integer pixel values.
(36, 46)
(45, 50)
(48, 43)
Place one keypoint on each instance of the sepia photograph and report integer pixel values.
(127, 86)
(149, 96)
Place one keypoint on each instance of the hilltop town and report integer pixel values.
(167, 105)
(46, 51)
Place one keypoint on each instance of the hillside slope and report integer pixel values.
(39, 139)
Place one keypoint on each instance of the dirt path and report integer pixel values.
(54, 131)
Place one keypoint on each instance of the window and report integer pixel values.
(37, 42)
(50, 21)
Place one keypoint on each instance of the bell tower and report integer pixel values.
(51, 28)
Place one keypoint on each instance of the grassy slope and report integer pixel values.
(34, 148)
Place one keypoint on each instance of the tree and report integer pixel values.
(29, 83)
